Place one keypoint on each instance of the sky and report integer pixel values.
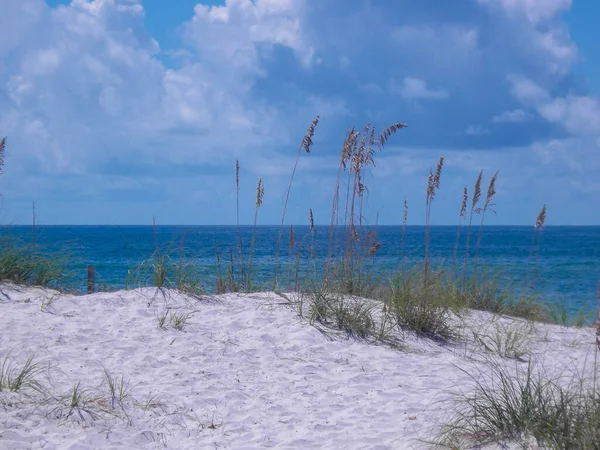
(118, 111)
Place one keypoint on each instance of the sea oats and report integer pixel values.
(292, 238)
(304, 145)
(383, 137)
(374, 248)
(349, 147)
(2, 147)
(463, 207)
(438, 173)
(489, 200)
(598, 320)
(476, 193)
(541, 218)
(310, 132)
(260, 192)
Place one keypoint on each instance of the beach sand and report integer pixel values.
(245, 372)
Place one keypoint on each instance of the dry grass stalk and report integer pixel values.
(461, 216)
(383, 137)
(540, 221)
(541, 218)
(489, 200)
(357, 154)
(313, 230)
(310, 132)
(374, 248)
(305, 146)
(292, 240)
(476, 192)
(597, 344)
(404, 222)
(260, 192)
(474, 210)
(598, 321)
(237, 212)
(348, 148)
(463, 207)
(433, 185)
(2, 148)
(488, 206)
(237, 191)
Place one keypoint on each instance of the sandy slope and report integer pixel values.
(246, 372)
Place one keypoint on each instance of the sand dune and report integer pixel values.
(245, 372)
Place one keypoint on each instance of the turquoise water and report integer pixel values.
(568, 261)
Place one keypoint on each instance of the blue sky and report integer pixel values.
(116, 111)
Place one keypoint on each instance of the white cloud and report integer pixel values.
(448, 47)
(579, 115)
(372, 88)
(415, 88)
(535, 23)
(476, 130)
(444, 37)
(513, 116)
(236, 31)
(535, 11)
(89, 85)
(526, 90)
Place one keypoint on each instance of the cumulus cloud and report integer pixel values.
(579, 115)
(534, 10)
(245, 28)
(92, 77)
(477, 130)
(512, 116)
(88, 98)
(537, 25)
(415, 89)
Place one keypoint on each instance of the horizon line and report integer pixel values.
(279, 225)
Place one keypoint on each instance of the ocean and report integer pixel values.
(564, 267)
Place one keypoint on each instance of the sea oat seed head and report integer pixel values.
(310, 132)
(465, 199)
(541, 218)
(374, 248)
(260, 192)
(476, 192)
(489, 200)
(348, 147)
(438, 172)
(2, 145)
(383, 137)
(430, 186)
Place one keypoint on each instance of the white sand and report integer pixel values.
(246, 372)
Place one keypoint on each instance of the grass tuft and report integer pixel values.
(525, 403)
(423, 303)
(331, 308)
(14, 378)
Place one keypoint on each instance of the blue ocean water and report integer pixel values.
(565, 266)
